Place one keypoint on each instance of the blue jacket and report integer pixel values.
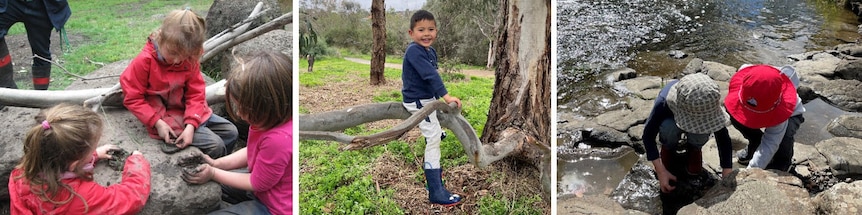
(660, 112)
(419, 74)
(58, 11)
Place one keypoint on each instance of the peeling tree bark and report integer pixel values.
(521, 103)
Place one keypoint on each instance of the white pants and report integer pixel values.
(432, 132)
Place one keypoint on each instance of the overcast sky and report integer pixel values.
(397, 4)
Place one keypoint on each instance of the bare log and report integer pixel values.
(325, 126)
(43, 99)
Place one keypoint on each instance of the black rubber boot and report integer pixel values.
(41, 77)
(7, 79)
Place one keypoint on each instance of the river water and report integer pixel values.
(595, 37)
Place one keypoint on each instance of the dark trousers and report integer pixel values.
(784, 156)
(38, 26)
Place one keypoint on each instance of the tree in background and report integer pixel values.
(467, 29)
(378, 49)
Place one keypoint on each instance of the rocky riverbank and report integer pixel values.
(822, 180)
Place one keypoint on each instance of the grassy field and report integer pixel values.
(114, 30)
(342, 182)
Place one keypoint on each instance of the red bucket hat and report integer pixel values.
(760, 96)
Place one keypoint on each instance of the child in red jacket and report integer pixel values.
(165, 90)
(55, 175)
(259, 92)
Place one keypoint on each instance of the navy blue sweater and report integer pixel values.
(419, 74)
(660, 112)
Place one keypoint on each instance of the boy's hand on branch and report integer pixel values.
(186, 137)
(449, 99)
(165, 131)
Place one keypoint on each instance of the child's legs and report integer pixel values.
(224, 129)
(246, 207)
(432, 132)
(215, 136)
(669, 134)
(783, 158)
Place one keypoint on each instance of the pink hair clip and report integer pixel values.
(45, 125)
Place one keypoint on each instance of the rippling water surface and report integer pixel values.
(603, 35)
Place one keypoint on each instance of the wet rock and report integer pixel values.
(816, 70)
(846, 126)
(693, 66)
(636, 132)
(718, 71)
(842, 155)
(621, 74)
(605, 136)
(638, 85)
(806, 93)
(843, 198)
(677, 54)
(849, 70)
(620, 120)
(850, 49)
(844, 94)
(752, 190)
(809, 155)
(589, 205)
(639, 190)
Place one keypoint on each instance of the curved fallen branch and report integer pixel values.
(325, 126)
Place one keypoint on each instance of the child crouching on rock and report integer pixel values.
(258, 92)
(55, 175)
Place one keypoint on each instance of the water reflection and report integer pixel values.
(580, 172)
(596, 36)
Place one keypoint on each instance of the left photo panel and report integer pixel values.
(424, 107)
(150, 107)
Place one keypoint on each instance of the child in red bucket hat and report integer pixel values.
(690, 107)
(763, 96)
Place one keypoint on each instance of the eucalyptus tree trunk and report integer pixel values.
(378, 49)
(521, 103)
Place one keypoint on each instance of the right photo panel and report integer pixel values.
(425, 107)
(708, 107)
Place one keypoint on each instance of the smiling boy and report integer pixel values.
(422, 85)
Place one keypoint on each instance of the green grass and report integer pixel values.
(330, 69)
(339, 182)
(114, 30)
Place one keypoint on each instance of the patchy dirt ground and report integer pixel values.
(22, 57)
(505, 179)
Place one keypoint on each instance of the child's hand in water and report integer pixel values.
(102, 151)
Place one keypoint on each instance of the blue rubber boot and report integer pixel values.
(437, 194)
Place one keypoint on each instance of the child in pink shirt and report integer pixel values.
(258, 92)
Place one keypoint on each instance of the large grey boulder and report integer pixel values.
(846, 126)
(169, 193)
(843, 198)
(753, 191)
(843, 155)
(639, 190)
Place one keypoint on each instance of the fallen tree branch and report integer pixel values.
(276, 23)
(43, 98)
(324, 126)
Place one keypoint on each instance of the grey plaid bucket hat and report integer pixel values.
(696, 104)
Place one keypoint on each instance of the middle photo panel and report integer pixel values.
(420, 107)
